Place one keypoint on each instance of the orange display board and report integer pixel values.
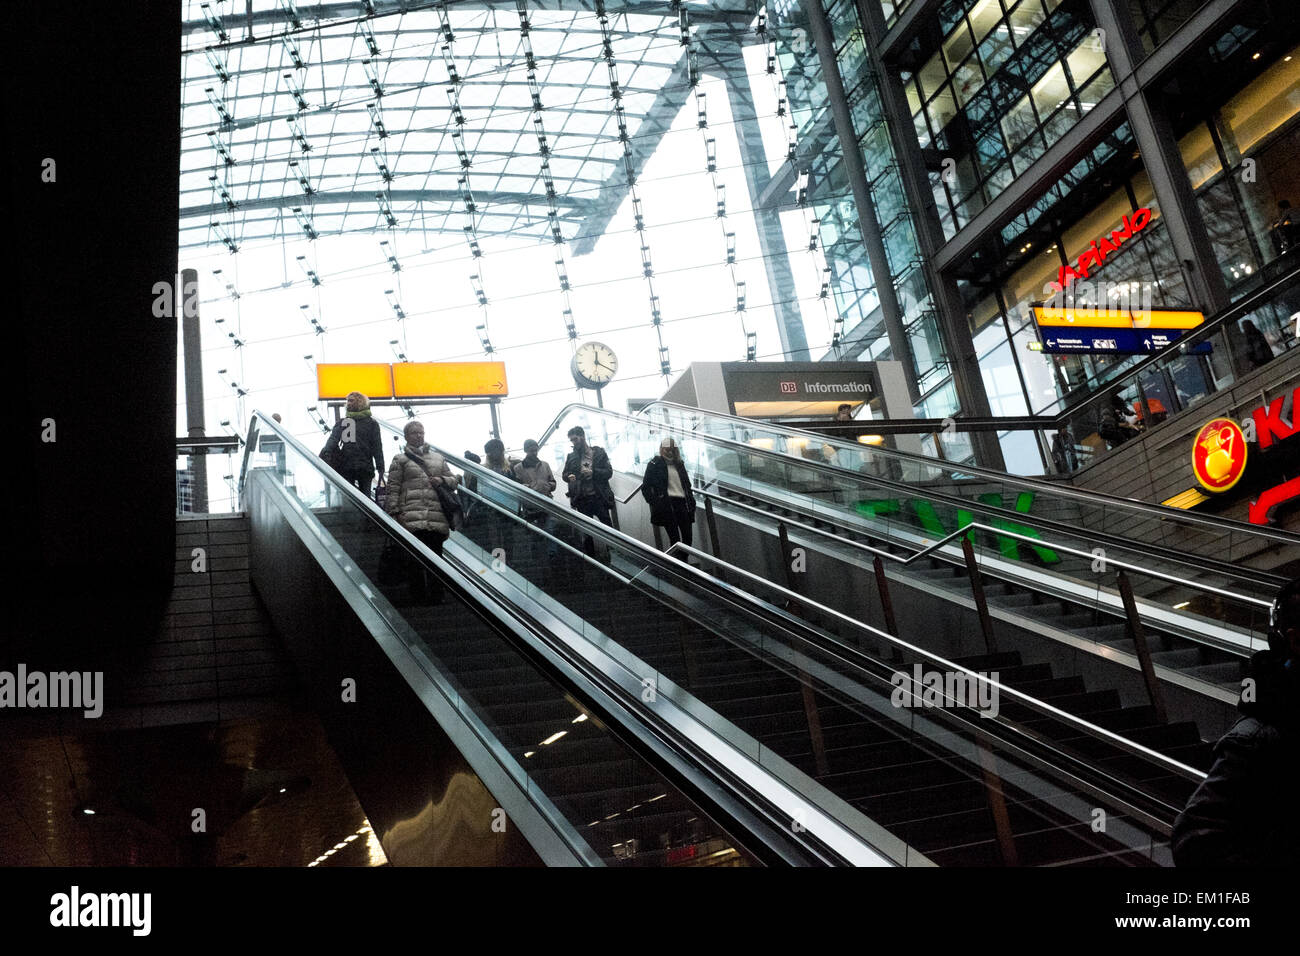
(371, 379)
(1219, 455)
(1092, 318)
(450, 380)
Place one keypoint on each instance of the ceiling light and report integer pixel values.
(554, 737)
(580, 718)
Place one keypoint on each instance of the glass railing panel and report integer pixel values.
(747, 671)
(866, 505)
(613, 800)
(1227, 542)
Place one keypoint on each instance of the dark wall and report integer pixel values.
(97, 90)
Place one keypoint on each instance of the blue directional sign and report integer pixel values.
(1061, 340)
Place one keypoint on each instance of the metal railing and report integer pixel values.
(795, 630)
(1162, 512)
(824, 837)
(1259, 578)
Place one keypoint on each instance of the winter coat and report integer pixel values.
(537, 477)
(654, 489)
(1244, 813)
(597, 486)
(412, 497)
(364, 456)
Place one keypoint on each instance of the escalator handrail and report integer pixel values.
(647, 724)
(800, 633)
(659, 560)
(1123, 743)
(1251, 575)
(1001, 532)
(1160, 511)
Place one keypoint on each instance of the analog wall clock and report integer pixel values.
(593, 365)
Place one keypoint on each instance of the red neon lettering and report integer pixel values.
(1103, 246)
(1269, 425)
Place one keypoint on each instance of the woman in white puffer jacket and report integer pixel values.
(412, 499)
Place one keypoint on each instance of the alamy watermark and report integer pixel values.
(76, 909)
(923, 688)
(22, 688)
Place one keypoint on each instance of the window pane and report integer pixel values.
(932, 76)
(1051, 91)
(1025, 18)
(983, 17)
(942, 109)
(958, 45)
(1085, 61)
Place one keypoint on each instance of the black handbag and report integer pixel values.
(332, 453)
(449, 503)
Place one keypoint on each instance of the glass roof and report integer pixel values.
(380, 181)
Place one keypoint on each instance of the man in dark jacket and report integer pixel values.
(1244, 813)
(667, 489)
(587, 471)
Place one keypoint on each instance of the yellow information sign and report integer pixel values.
(371, 379)
(1096, 318)
(450, 380)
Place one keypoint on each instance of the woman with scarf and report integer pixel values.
(667, 489)
(355, 448)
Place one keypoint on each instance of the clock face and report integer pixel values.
(594, 365)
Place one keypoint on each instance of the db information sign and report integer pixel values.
(1219, 455)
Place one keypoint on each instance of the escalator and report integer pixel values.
(945, 785)
(470, 735)
(1224, 543)
(1050, 590)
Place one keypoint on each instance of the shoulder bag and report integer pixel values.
(446, 500)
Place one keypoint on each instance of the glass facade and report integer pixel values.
(1006, 80)
(832, 199)
(991, 85)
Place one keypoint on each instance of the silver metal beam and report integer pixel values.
(856, 173)
(482, 199)
(1179, 210)
(771, 240)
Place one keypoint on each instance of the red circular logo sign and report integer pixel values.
(1219, 455)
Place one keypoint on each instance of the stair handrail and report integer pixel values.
(1124, 743)
(833, 843)
(661, 560)
(1056, 488)
(1252, 575)
(1001, 532)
